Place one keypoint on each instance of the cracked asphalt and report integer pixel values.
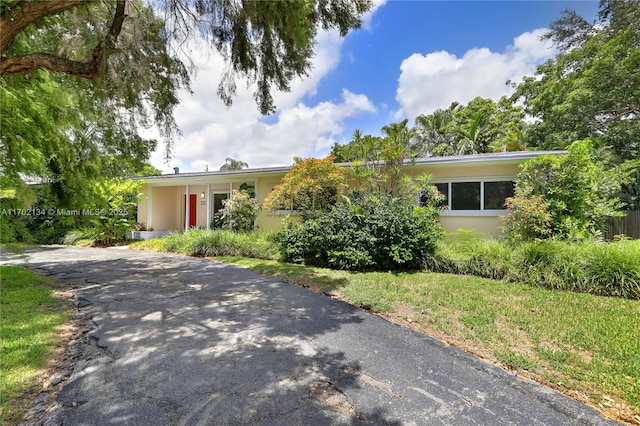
(174, 340)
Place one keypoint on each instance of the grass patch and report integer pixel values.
(31, 317)
(584, 345)
(209, 242)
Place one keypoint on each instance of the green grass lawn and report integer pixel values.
(585, 346)
(30, 316)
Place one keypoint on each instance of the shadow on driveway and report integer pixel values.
(187, 341)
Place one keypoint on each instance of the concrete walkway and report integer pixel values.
(186, 341)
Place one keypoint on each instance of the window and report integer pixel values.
(486, 198)
(495, 194)
(218, 197)
(465, 196)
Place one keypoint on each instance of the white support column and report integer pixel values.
(149, 206)
(230, 190)
(187, 209)
(208, 198)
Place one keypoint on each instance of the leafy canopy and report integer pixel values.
(592, 88)
(79, 79)
(382, 164)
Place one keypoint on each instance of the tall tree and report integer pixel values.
(432, 130)
(104, 69)
(267, 41)
(379, 161)
(479, 127)
(592, 88)
(231, 164)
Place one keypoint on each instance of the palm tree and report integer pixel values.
(231, 164)
(515, 140)
(433, 130)
(470, 135)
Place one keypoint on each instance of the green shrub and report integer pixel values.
(208, 242)
(528, 218)
(117, 199)
(610, 269)
(613, 269)
(72, 238)
(365, 232)
(568, 196)
(239, 213)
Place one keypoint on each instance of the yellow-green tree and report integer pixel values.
(311, 184)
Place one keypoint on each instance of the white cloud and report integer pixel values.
(367, 18)
(435, 80)
(213, 132)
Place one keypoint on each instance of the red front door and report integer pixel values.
(192, 209)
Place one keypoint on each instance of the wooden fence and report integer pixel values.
(628, 225)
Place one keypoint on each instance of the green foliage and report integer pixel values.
(207, 242)
(116, 201)
(609, 269)
(592, 88)
(381, 163)
(239, 212)
(576, 190)
(271, 42)
(528, 217)
(481, 126)
(80, 119)
(77, 129)
(80, 236)
(12, 227)
(311, 184)
(364, 232)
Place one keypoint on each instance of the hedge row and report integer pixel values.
(609, 269)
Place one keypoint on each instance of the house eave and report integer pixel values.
(449, 161)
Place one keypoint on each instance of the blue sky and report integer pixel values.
(410, 58)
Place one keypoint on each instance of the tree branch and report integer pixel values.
(89, 69)
(25, 13)
(32, 61)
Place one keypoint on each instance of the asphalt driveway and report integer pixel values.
(176, 340)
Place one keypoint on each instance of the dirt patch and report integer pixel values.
(326, 393)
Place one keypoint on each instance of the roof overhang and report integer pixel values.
(195, 178)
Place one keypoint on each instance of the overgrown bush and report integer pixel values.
(528, 218)
(577, 192)
(364, 232)
(608, 269)
(78, 236)
(239, 213)
(311, 184)
(115, 215)
(12, 228)
(208, 242)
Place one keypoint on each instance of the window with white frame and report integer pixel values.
(475, 197)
